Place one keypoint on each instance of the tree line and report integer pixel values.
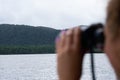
(44, 49)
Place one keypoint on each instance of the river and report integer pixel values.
(43, 67)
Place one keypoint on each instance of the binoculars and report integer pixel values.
(93, 38)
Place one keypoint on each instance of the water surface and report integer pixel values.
(43, 67)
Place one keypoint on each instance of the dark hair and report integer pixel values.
(113, 18)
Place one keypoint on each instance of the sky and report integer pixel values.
(57, 14)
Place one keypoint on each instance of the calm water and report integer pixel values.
(43, 67)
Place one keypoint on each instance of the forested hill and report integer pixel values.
(26, 35)
(24, 39)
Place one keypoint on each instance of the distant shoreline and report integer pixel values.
(41, 54)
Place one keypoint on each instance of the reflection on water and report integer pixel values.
(43, 67)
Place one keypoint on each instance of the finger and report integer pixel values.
(77, 36)
(62, 39)
(57, 43)
(69, 38)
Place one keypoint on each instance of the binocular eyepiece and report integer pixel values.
(93, 38)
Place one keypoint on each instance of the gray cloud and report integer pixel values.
(52, 13)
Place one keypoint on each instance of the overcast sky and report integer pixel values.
(52, 13)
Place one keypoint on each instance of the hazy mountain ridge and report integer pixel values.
(11, 34)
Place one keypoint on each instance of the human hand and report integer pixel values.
(69, 54)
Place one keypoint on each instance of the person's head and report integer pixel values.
(113, 18)
(112, 34)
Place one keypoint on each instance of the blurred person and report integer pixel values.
(68, 47)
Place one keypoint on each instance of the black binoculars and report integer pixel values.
(93, 38)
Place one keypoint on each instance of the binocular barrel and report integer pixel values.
(93, 37)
